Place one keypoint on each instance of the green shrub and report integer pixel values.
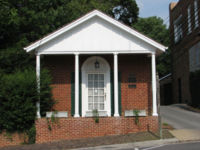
(194, 88)
(31, 134)
(18, 98)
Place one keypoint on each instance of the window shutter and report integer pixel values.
(80, 94)
(119, 92)
(72, 94)
(112, 92)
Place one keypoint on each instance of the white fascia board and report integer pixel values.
(97, 52)
(85, 18)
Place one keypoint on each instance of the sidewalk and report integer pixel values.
(186, 134)
(182, 135)
(132, 145)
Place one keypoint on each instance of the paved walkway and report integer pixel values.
(186, 135)
(132, 146)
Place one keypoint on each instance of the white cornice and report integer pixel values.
(87, 17)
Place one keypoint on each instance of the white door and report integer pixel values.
(96, 87)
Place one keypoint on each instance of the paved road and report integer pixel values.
(186, 146)
(180, 118)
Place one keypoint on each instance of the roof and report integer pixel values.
(84, 19)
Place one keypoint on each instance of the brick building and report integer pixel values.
(98, 63)
(185, 45)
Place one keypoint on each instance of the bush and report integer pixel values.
(194, 88)
(18, 99)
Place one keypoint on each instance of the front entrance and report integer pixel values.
(96, 87)
(96, 92)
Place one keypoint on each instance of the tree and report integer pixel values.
(127, 11)
(23, 22)
(154, 28)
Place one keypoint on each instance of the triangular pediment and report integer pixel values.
(95, 32)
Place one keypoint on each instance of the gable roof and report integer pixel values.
(84, 19)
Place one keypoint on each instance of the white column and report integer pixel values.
(116, 102)
(76, 85)
(153, 63)
(38, 83)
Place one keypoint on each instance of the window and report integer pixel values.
(96, 93)
(178, 32)
(132, 78)
(196, 16)
(189, 20)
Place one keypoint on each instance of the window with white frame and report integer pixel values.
(196, 15)
(189, 20)
(178, 31)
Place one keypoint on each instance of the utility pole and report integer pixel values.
(158, 103)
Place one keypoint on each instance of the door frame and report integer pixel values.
(87, 68)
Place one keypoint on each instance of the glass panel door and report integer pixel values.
(96, 92)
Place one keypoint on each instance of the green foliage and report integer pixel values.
(31, 134)
(194, 88)
(18, 98)
(136, 113)
(52, 120)
(22, 22)
(95, 114)
(154, 28)
(8, 136)
(127, 11)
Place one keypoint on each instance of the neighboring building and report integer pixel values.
(185, 45)
(98, 63)
(166, 90)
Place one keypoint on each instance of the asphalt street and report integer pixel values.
(180, 118)
(185, 146)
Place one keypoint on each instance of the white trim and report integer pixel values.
(87, 17)
(100, 114)
(76, 85)
(116, 99)
(97, 52)
(153, 63)
(59, 114)
(38, 84)
(86, 69)
(130, 113)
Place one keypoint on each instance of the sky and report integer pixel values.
(155, 8)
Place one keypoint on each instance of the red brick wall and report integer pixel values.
(75, 128)
(180, 50)
(9, 140)
(60, 68)
(132, 98)
(139, 97)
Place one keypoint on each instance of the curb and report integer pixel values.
(133, 145)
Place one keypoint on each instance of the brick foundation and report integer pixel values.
(76, 128)
(10, 140)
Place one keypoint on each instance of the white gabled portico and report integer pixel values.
(94, 34)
